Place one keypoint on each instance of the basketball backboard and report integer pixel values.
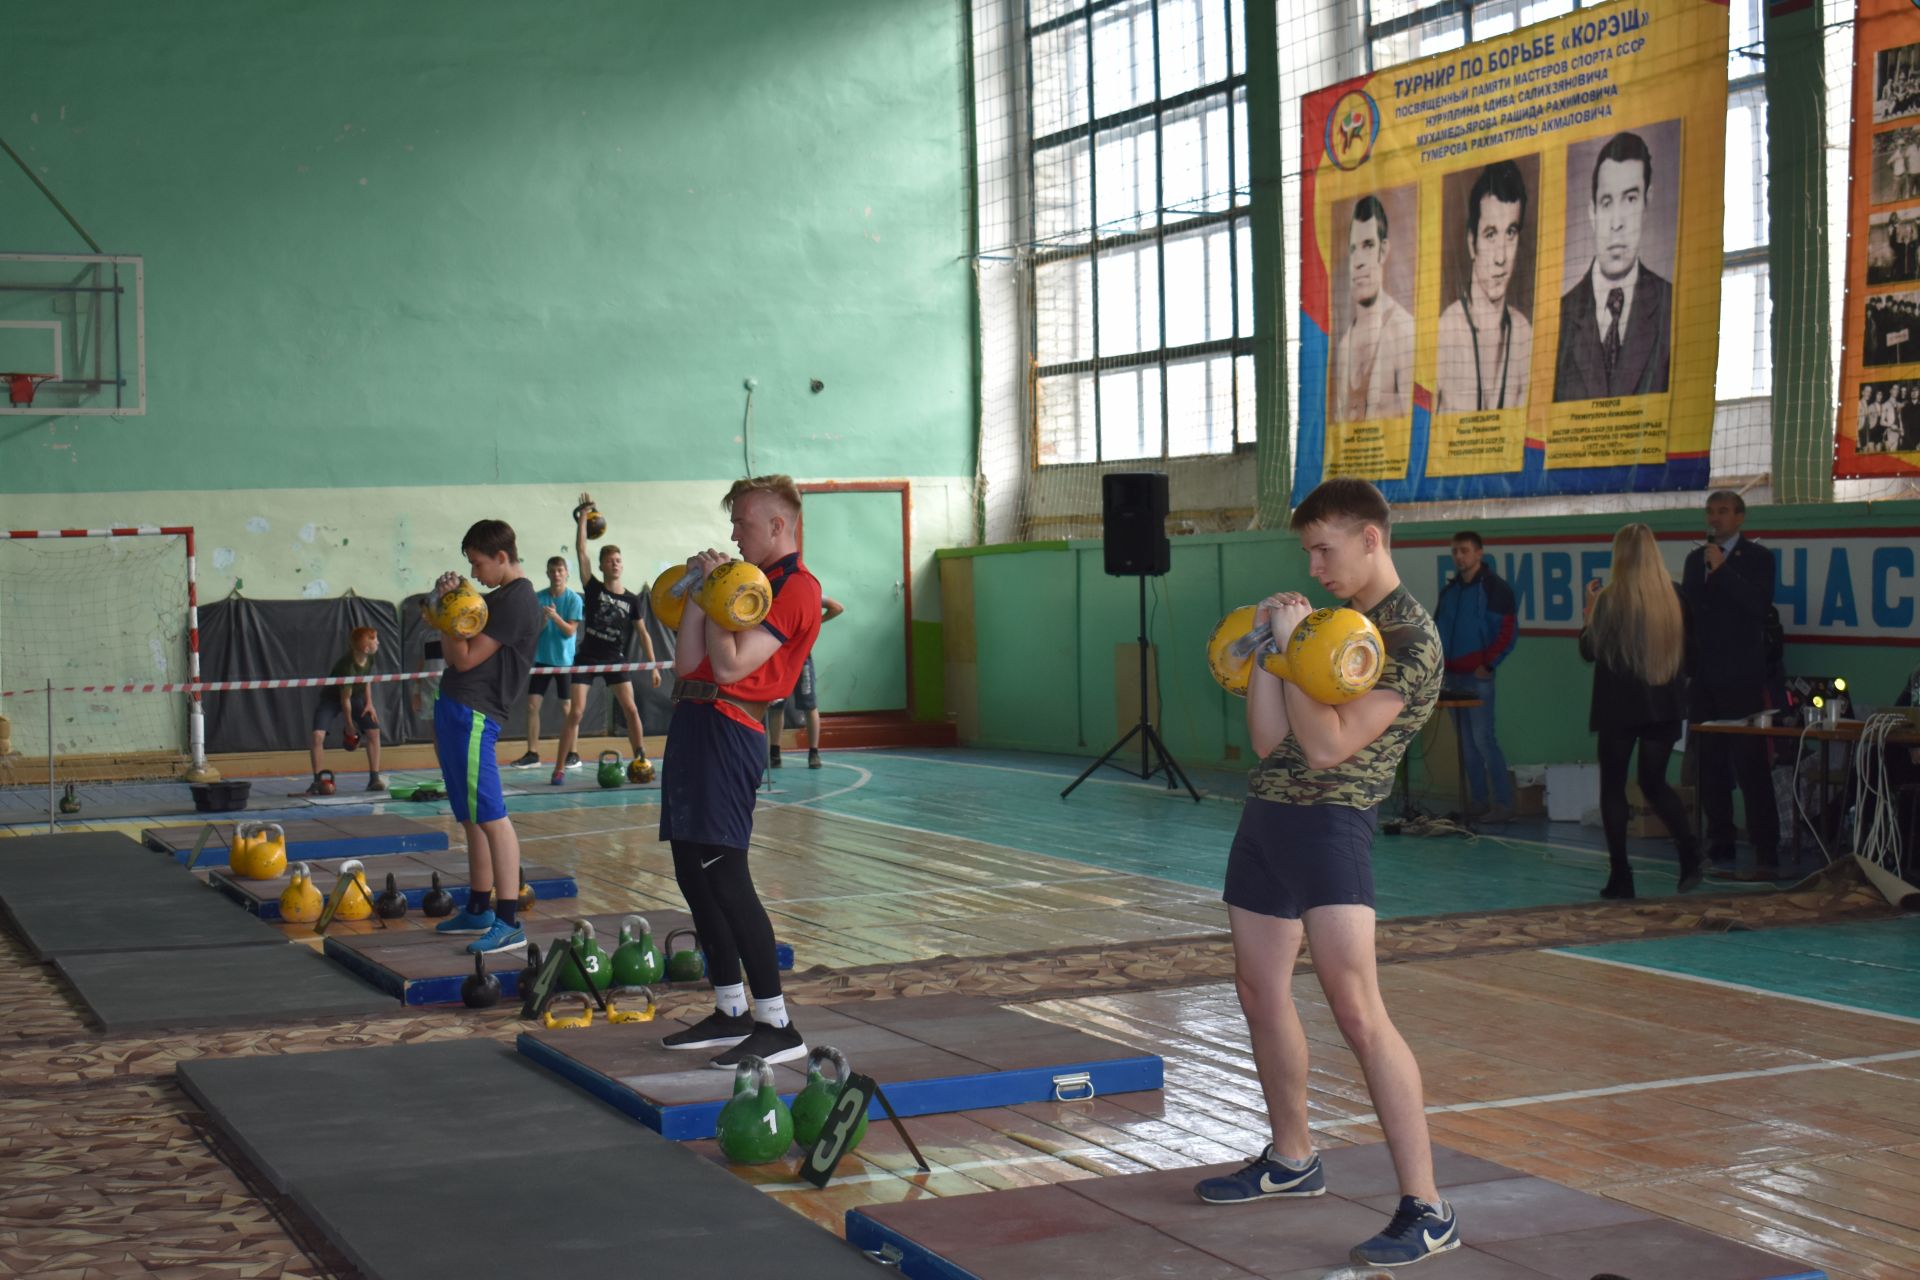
(75, 323)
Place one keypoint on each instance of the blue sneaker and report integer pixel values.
(1418, 1230)
(501, 937)
(466, 922)
(1264, 1178)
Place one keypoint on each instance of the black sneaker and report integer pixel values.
(526, 761)
(773, 756)
(573, 760)
(376, 783)
(713, 1031)
(768, 1043)
(813, 759)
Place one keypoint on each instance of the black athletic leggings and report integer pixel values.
(1616, 745)
(734, 929)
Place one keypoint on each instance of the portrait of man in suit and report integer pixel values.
(1373, 360)
(1615, 320)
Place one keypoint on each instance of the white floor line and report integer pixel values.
(1136, 783)
(1738, 986)
(965, 1166)
(1349, 1122)
(957, 888)
(866, 776)
(985, 844)
(1644, 1086)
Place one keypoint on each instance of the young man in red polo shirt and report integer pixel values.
(716, 750)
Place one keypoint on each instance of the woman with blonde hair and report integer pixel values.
(1635, 636)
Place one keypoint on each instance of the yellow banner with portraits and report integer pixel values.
(1510, 261)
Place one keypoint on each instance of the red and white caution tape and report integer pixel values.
(309, 682)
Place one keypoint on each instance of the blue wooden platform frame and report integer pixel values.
(688, 1121)
(1136, 1214)
(445, 988)
(269, 908)
(425, 840)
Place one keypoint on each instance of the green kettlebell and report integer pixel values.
(636, 961)
(755, 1127)
(811, 1107)
(688, 965)
(596, 962)
(611, 773)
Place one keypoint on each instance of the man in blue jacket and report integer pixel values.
(1477, 629)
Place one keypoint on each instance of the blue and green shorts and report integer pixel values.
(464, 740)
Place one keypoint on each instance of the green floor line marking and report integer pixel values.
(1870, 966)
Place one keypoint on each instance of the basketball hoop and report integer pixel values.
(21, 386)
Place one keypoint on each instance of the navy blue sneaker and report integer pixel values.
(1418, 1230)
(1264, 1178)
(501, 937)
(466, 922)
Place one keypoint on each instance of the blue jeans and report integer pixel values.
(1479, 749)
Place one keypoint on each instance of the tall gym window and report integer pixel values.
(1142, 254)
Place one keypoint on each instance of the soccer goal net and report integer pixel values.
(97, 641)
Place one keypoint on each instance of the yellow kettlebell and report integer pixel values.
(258, 851)
(631, 995)
(736, 595)
(461, 611)
(1334, 655)
(300, 902)
(352, 895)
(669, 604)
(582, 1019)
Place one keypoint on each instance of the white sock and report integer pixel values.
(772, 1011)
(731, 1000)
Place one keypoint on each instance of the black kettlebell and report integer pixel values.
(482, 989)
(528, 974)
(438, 901)
(391, 904)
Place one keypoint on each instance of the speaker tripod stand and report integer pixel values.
(1150, 741)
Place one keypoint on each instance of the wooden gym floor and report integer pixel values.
(1748, 1062)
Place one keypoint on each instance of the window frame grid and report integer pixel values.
(1235, 217)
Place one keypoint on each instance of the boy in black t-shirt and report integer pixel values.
(611, 612)
(336, 706)
(485, 674)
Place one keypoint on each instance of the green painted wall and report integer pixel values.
(1046, 620)
(464, 244)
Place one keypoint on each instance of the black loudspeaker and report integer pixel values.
(1133, 508)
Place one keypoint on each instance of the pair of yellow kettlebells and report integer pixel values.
(258, 851)
(1334, 655)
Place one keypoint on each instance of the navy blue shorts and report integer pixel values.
(710, 776)
(1290, 858)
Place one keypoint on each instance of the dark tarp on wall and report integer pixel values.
(242, 639)
(602, 716)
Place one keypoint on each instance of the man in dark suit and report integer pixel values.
(1727, 587)
(1614, 322)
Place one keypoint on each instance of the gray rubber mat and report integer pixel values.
(66, 842)
(398, 1106)
(641, 1209)
(382, 1150)
(213, 987)
(167, 914)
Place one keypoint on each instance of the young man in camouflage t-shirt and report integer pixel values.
(1300, 870)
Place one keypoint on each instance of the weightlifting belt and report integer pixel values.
(685, 690)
